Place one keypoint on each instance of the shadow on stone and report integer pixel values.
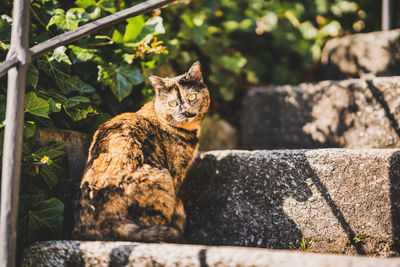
(395, 199)
(338, 214)
(75, 259)
(238, 201)
(203, 257)
(119, 256)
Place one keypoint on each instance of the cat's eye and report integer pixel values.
(172, 103)
(192, 97)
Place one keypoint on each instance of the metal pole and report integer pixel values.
(386, 15)
(11, 168)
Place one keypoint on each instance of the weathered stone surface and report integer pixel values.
(376, 53)
(217, 134)
(356, 113)
(110, 254)
(338, 200)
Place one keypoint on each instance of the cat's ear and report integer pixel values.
(194, 72)
(157, 82)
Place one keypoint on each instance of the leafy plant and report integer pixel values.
(304, 246)
(81, 85)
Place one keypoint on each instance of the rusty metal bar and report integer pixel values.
(11, 167)
(87, 29)
(386, 15)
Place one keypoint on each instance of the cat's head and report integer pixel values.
(182, 99)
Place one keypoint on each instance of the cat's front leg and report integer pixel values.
(179, 216)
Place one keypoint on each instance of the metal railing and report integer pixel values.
(16, 64)
(386, 15)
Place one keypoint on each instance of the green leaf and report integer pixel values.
(60, 56)
(52, 94)
(5, 33)
(120, 79)
(95, 14)
(234, 63)
(107, 5)
(79, 54)
(78, 114)
(117, 37)
(29, 129)
(85, 3)
(134, 27)
(1, 142)
(57, 67)
(36, 106)
(70, 20)
(32, 76)
(76, 100)
(54, 106)
(56, 167)
(41, 221)
(75, 83)
(2, 110)
(152, 27)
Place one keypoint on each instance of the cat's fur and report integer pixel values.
(137, 162)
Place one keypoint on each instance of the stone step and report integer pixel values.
(376, 53)
(354, 113)
(331, 200)
(98, 254)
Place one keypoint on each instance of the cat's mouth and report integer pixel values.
(183, 118)
(189, 115)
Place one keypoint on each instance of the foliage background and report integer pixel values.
(239, 43)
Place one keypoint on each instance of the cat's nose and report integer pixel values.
(188, 114)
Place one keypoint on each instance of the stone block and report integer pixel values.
(376, 53)
(354, 113)
(113, 254)
(326, 200)
(217, 134)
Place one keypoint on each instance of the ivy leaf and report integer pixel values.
(54, 106)
(117, 36)
(234, 63)
(70, 20)
(1, 142)
(78, 114)
(29, 129)
(76, 100)
(120, 79)
(75, 83)
(155, 24)
(134, 27)
(56, 166)
(5, 34)
(36, 106)
(107, 5)
(55, 99)
(32, 76)
(57, 67)
(85, 3)
(152, 27)
(41, 221)
(79, 54)
(2, 110)
(60, 56)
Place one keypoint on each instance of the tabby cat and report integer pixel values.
(137, 162)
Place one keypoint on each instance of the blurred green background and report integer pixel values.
(240, 44)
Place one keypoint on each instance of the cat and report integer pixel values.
(137, 162)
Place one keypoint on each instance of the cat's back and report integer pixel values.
(118, 132)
